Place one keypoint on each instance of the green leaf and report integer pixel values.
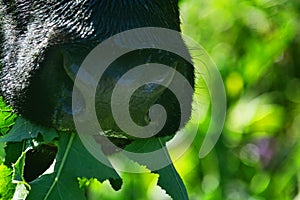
(72, 161)
(171, 182)
(13, 151)
(24, 129)
(2, 152)
(21, 191)
(147, 145)
(18, 169)
(7, 117)
(7, 188)
(169, 179)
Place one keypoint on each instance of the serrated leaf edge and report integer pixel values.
(174, 172)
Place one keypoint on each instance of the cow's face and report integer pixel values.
(71, 30)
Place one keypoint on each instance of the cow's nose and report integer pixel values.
(134, 90)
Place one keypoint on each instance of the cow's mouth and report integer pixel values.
(50, 96)
(136, 90)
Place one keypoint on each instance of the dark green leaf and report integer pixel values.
(147, 145)
(171, 182)
(2, 152)
(72, 161)
(13, 151)
(18, 178)
(24, 129)
(169, 179)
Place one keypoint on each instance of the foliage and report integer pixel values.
(7, 118)
(256, 45)
(63, 178)
(7, 188)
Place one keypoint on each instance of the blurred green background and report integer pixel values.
(256, 46)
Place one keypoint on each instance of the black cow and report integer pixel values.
(45, 42)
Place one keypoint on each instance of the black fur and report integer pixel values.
(41, 39)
